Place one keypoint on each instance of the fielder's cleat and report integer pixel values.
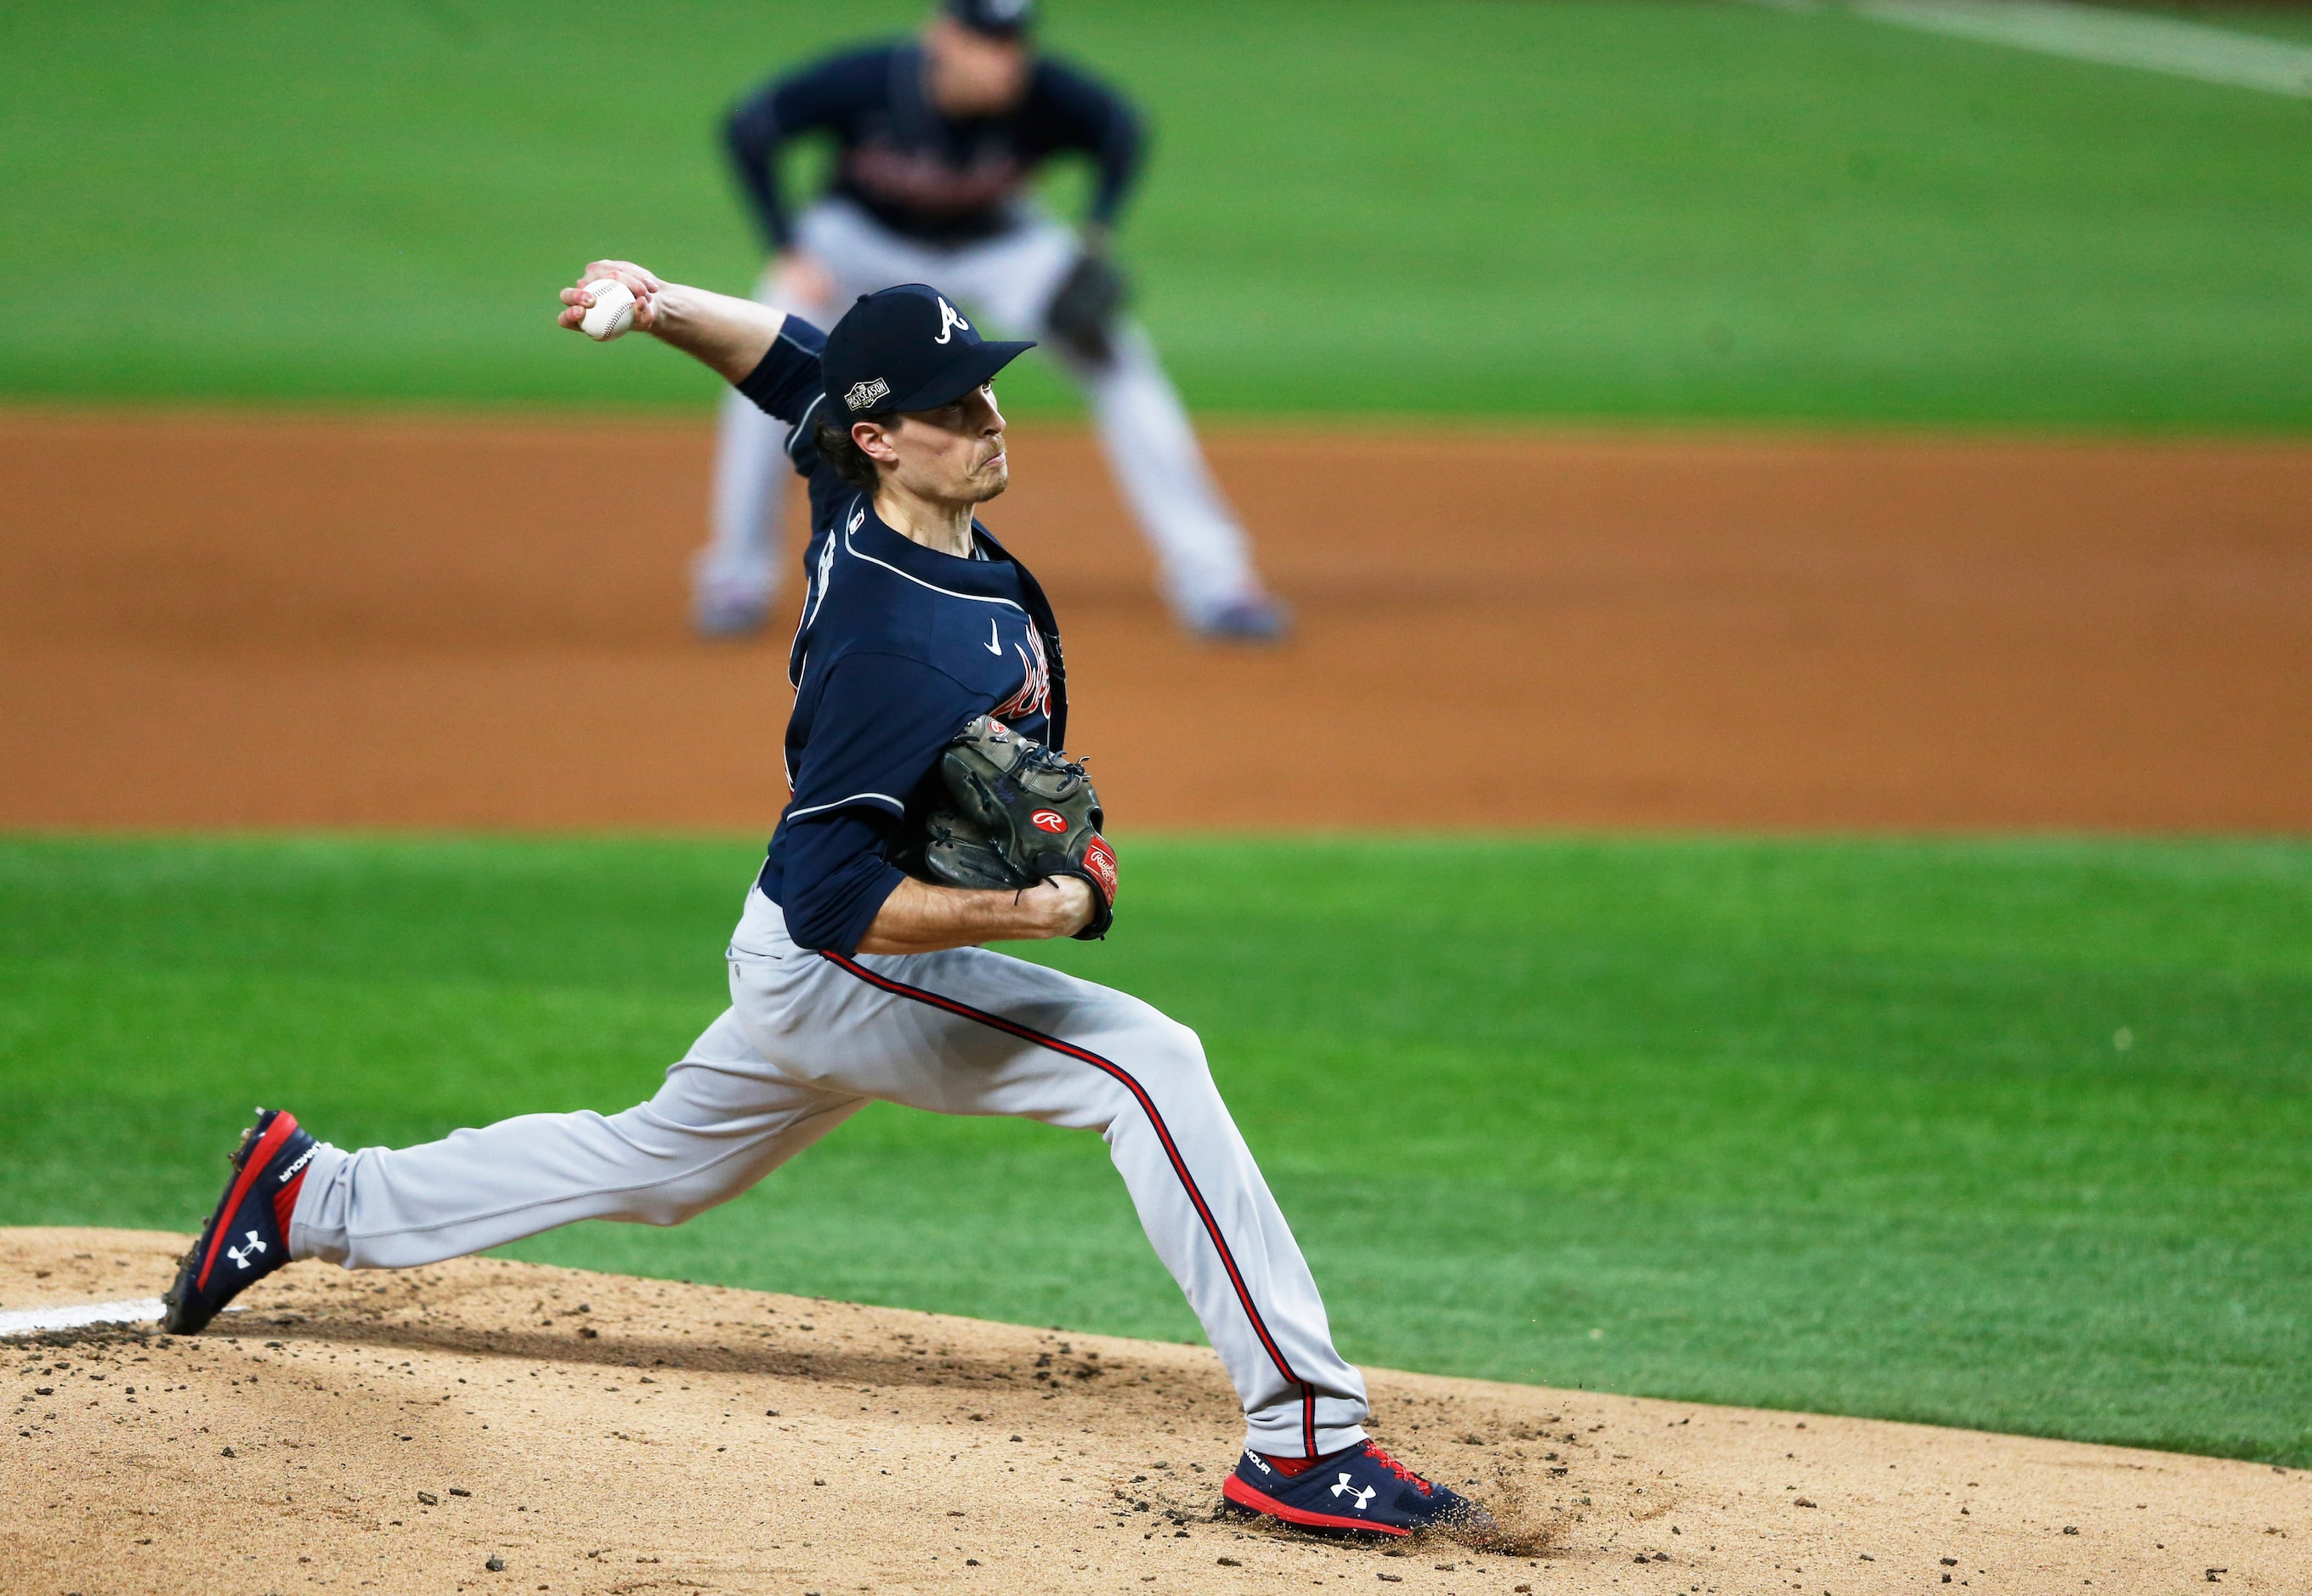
(1255, 618)
(1359, 1491)
(730, 604)
(248, 1236)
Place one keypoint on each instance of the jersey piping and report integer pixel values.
(800, 433)
(934, 586)
(856, 798)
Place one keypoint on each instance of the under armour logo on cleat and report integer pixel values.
(257, 1246)
(1363, 1494)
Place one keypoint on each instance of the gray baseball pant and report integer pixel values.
(808, 1041)
(1203, 557)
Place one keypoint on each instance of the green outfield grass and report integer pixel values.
(1843, 1125)
(1647, 210)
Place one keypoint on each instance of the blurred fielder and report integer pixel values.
(936, 137)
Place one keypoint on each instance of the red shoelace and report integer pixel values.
(1374, 1451)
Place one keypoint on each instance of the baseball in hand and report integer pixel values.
(612, 311)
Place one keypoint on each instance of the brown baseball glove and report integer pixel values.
(1084, 308)
(1018, 814)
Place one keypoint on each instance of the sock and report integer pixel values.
(1292, 1468)
(285, 1204)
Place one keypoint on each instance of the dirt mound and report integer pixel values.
(599, 1434)
(248, 621)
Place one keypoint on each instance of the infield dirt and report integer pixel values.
(596, 1435)
(242, 622)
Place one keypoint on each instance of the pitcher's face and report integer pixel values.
(953, 455)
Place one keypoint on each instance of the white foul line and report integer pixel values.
(2114, 39)
(2101, 34)
(25, 1322)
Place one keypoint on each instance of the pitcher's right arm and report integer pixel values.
(731, 335)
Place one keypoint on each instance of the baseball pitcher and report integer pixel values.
(932, 810)
(936, 138)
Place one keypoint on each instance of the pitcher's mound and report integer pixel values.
(491, 1426)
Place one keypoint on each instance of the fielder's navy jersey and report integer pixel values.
(900, 646)
(929, 175)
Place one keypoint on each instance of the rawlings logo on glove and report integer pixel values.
(1021, 814)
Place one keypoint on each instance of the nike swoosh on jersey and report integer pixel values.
(994, 647)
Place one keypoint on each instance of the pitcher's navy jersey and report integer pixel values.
(920, 172)
(898, 648)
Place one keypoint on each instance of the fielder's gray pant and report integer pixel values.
(1202, 551)
(809, 1039)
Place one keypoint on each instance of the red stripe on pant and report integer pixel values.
(1163, 1134)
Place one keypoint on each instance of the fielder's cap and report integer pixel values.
(998, 19)
(907, 348)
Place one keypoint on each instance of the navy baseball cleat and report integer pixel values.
(724, 605)
(1255, 619)
(1360, 1490)
(248, 1236)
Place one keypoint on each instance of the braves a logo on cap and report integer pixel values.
(1048, 820)
(865, 394)
(951, 318)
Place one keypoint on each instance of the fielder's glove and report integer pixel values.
(1082, 313)
(1020, 814)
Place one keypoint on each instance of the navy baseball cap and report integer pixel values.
(998, 19)
(907, 348)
